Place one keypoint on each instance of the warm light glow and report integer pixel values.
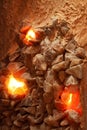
(30, 35)
(15, 86)
(67, 99)
(71, 100)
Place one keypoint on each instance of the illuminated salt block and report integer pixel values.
(16, 87)
(30, 36)
(71, 100)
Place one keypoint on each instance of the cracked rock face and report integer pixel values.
(49, 67)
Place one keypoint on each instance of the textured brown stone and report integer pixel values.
(80, 52)
(75, 71)
(59, 66)
(58, 47)
(73, 115)
(71, 46)
(64, 123)
(62, 75)
(76, 61)
(58, 59)
(71, 81)
(51, 121)
(39, 62)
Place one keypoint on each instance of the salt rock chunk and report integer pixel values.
(58, 115)
(80, 52)
(50, 120)
(14, 56)
(62, 75)
(49, 108)
(50, 76)
(71, 46)
(49, 55)
(57, 86)
(50, 82)
(71, 81)
(17, 123)
(64, 122)
(45, 44)
(48, 97)
(30, 110)
(75, 61)
(31, 50)
(39, 62)
(47, 87)
(39, 72)
(76, 71)
(73, 115)
(70, 56)
(34, 120)
(58, 59)
(59, 66)
(40, 33)
(20, 71)
(39, 81)
(64, 30)
(14, 66)
(57, 46)
(27, 76)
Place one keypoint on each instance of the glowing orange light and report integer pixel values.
(15, 86)
(71, 100)
(30, 35)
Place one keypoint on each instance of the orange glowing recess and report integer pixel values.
(30, 35)
(71, 100)
(15, 86)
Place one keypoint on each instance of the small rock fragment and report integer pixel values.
(58, 115)
(64, 30)
(58, 59)
(14, 66)
(62, 75)
(71, 81)
(80, 52)
(58, 47)
(75, 61)
(51, 121)
(17, 123)
(70, 56)
(47, 87)
(49, 55)
(76, 71)
(40, 81)
(45, 44)
(71, 46)
(64, 122)
(48, 97)
(49, 108)
(59, 66)
(39, 62)
(31, 50)
(73, 115)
